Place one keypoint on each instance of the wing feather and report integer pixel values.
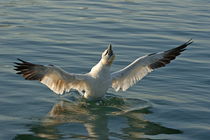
(130, 75)
(53, 77)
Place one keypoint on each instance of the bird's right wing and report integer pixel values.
(128, 76)
(53, 77)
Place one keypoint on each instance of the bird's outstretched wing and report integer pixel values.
(53, 77)
(128, 76)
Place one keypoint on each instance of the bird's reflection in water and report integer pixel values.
(112, 117)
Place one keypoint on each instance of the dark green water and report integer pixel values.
(170, 103)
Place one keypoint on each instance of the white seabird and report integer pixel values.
(95, 83)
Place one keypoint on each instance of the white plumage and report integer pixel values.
(95, 83)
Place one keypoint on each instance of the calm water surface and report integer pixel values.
(170, 103)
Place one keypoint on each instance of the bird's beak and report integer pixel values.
(109, 49)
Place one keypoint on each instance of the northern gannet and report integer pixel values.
(95, 83)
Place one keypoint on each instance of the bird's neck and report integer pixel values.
(100, 69)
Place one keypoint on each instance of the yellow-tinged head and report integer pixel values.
(108, 56)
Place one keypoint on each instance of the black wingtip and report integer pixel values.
(26, 69)
(183, 47)
(170, 55)
(189, 42)
(17, 63)
(21, 60)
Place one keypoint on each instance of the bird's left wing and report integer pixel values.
(128, 76)
(53, 77)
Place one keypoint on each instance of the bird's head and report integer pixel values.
(108, 56)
